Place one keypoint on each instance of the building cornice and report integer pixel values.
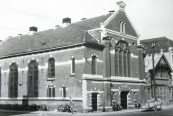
(112, 78)
(124, 35)
(53, 49)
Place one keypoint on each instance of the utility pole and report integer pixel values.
(153, 46)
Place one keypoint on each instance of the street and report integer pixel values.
(165, 112)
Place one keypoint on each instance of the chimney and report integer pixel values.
(32, 30)
(19, 35)
(66, 22)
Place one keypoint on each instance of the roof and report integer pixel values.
(163, 42)
(75, 33)
(157, 57)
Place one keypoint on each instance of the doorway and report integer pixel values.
(123, 96)
(94, 101)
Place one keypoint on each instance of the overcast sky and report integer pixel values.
(151, 18)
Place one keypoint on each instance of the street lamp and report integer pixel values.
(153, 46)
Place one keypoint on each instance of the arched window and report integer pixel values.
(51, 68)
(32, 79)
(93, 65)
(122, 59)
(122, 26)
(13, 81)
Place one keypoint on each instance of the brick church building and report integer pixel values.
(91, 62)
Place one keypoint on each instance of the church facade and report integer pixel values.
(91, 62)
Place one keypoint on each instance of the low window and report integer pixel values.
(63, 91)
(51, 91)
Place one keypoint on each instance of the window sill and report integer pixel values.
(72, 74)
(50, 79)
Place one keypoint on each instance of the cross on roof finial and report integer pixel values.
(121, 5)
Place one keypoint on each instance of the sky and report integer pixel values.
(151, 18)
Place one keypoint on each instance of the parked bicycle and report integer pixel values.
(116, 106)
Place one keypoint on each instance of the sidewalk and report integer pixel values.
(96, 113)
(79, 114)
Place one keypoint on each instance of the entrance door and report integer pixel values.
(94, 101)
(124, 99)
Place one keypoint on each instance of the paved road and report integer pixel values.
(165, 112)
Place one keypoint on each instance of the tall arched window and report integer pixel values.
(13, 81)
(94, 65)
(32, 79)
(51, 68)
(122, 59)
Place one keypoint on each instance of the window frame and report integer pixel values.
(122, 59)
(94, 65)
(122, 27)
(32, 79)
(63, 91)
(51, 69)
(73, 68)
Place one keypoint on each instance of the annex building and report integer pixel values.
(163, 65)
(93, 62)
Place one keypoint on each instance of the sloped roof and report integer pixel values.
(157, 57)
(75, 33)
(163, 42)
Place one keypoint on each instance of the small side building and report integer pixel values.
(165, 45)
(162, 75)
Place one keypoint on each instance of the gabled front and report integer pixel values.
(120, 23)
